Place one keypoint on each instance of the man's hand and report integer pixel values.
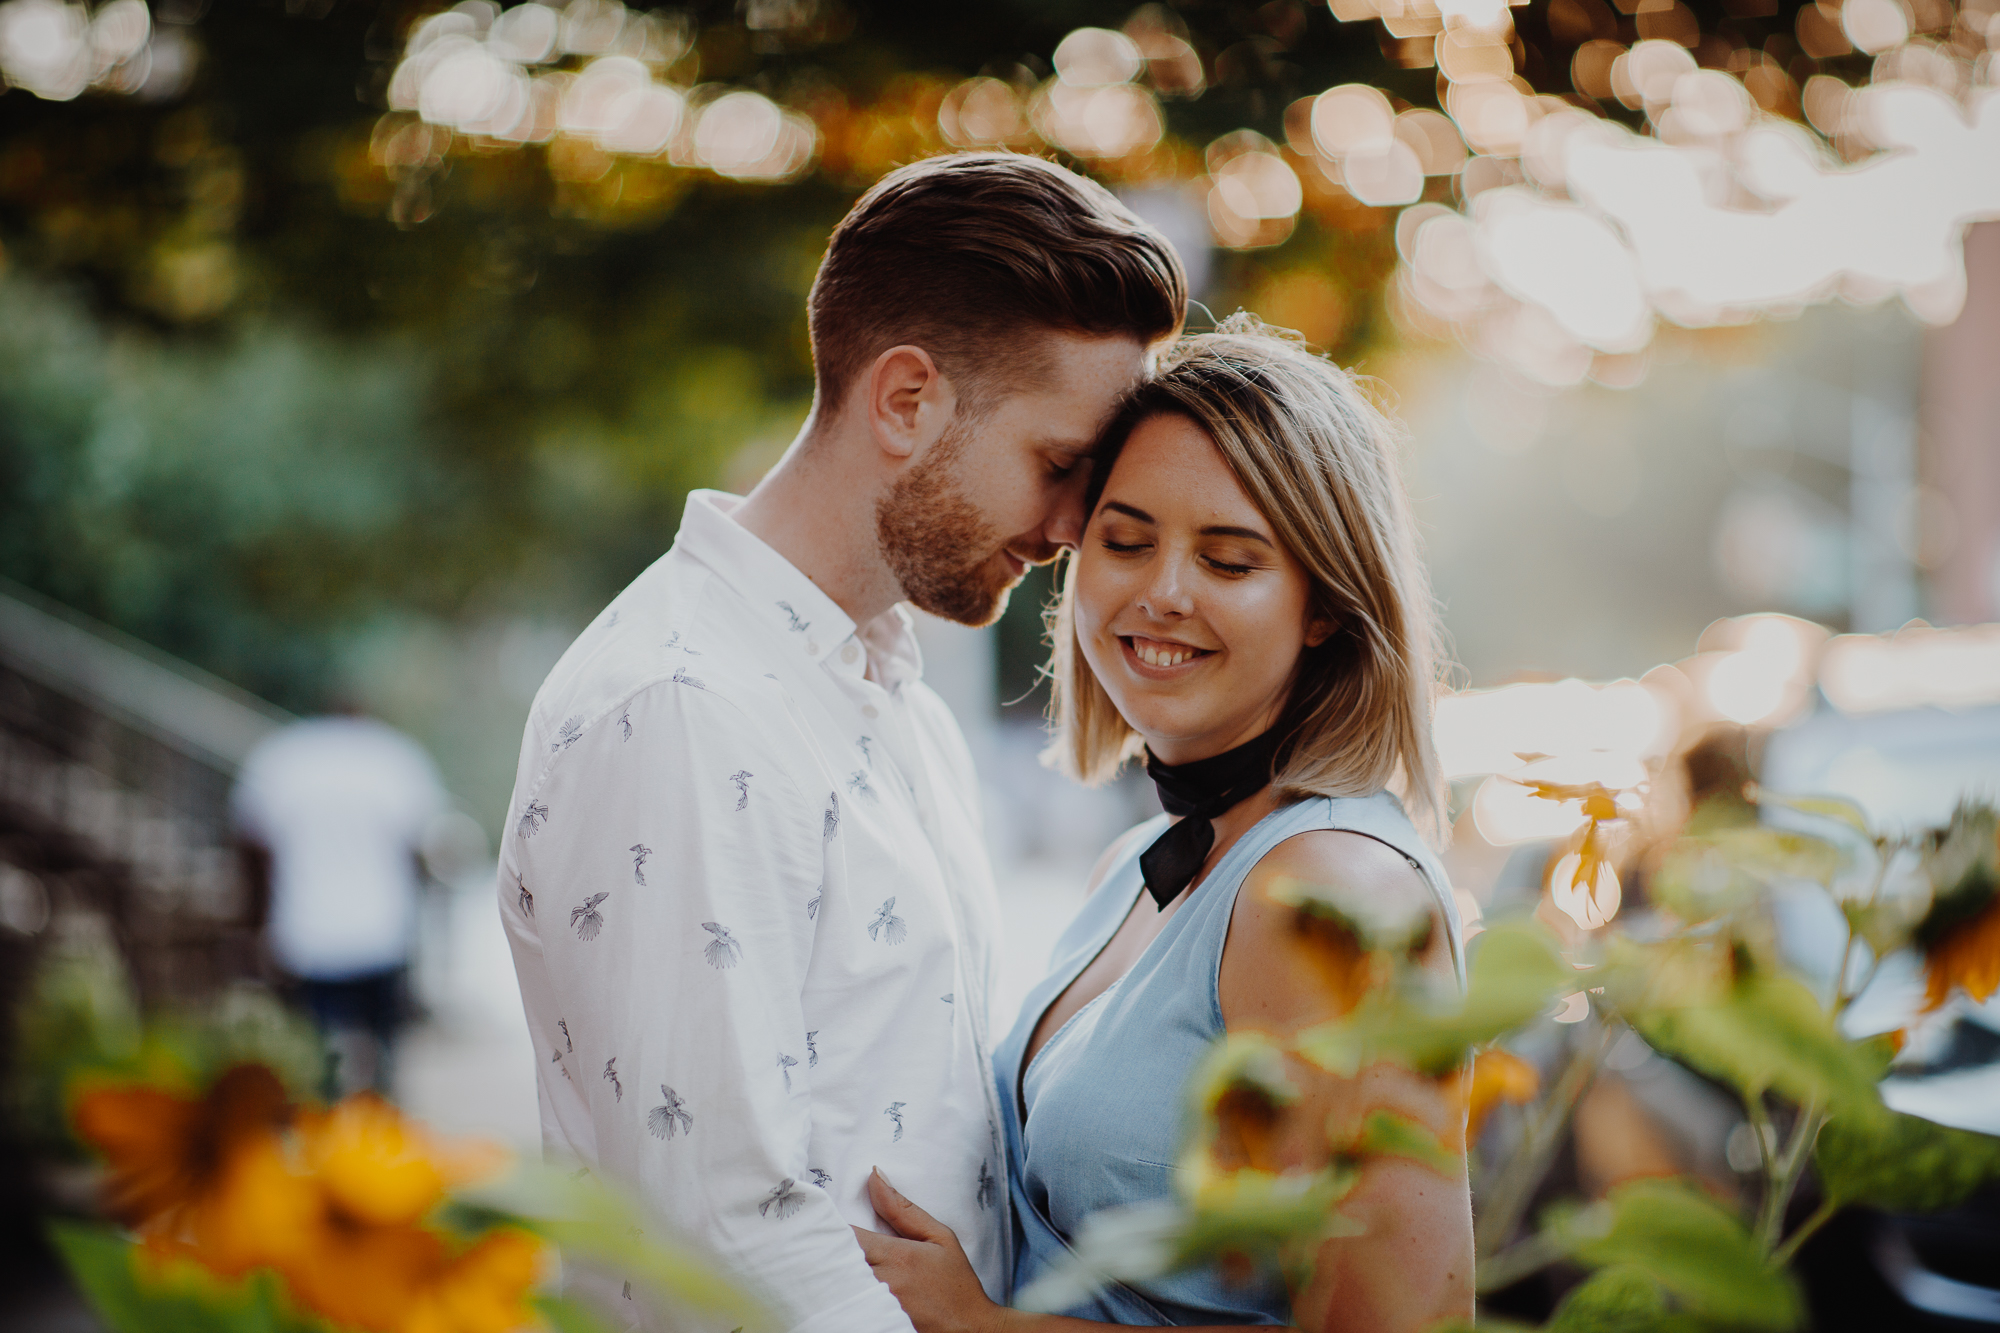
(926, 1267)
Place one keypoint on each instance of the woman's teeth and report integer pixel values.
(1161, 657)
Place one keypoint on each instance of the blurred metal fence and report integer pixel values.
(115, 767)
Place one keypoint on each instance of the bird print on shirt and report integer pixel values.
(587, 919)
(812, 1051)
(723, 952)
(527, 899)
(812, 904)
(985, 1195)
(670, 1117)
(784, 1199)
(894, 1110)
(681, 677)
(639, 854)
(857, 782)
(611, 1077)
(866, 753)
(572, 729)
(563, 1023)
(797, 626)
(830, 825)
(785, 1064)
(820, 1178)
(741, 777)
(949, 996)
(887, 927)
(625, 725)
(556, 1060)
(532, 818)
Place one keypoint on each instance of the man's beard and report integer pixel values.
(938, 545)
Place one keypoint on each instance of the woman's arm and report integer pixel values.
(1413, 1265)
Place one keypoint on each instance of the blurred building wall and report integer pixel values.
(1961, 419)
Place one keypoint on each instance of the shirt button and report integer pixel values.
(812, 647)
(868, 710)
(849, 653)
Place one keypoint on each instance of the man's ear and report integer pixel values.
(906, 401)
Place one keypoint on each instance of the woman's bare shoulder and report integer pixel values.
(1351, 861)
(1271, 978)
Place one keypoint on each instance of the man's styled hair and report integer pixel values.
(954, 253)
(1319, 462)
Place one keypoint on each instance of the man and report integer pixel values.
(744, 880)
(330, 814)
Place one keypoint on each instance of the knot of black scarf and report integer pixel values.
(1199, 792)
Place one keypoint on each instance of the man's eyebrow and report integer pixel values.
(1068, 446)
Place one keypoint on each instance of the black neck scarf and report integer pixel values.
(1199, 792)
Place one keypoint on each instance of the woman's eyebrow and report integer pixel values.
(1130, 511)
(1248, 534)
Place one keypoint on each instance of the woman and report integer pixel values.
(1248, 612)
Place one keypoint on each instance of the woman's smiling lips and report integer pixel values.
(1160, 658)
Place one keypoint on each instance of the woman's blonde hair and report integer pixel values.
(1319, 461)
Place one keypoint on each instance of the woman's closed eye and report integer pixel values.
(1234, 562)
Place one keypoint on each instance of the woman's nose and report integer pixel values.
(1166, 594)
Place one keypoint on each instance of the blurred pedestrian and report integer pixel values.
(330, 813)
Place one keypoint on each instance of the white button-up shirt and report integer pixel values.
(753, 922)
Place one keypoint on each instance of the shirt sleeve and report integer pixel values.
(676, 870)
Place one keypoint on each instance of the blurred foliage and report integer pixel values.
(80, 1020)
(232, 1208)
(247, 417)
(1696, 976)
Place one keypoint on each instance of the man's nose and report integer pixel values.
(1067, 519)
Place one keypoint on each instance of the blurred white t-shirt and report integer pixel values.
(342, 804)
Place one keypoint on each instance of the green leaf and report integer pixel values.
(1765, 1031)
(1837, 809)
(1386, 1134)
(1270, 1219)
(1515, 971)
(1680, 1238)
(588, 1218)
(569, 1316)
(182, 1299)
(1618, 1299)
(1903, 1163)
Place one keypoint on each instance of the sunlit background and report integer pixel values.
(356, 353)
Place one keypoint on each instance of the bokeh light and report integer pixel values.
(57, 50)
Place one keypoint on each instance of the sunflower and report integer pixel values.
(1960, 935)
(364, 1260)
(1497, 1076)
(333, 1200)
(185, 1172)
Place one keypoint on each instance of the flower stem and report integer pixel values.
(1821, 1215)
(1517, 1261)
(1784, 1173)
(1514, 1187)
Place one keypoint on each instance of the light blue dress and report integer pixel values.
(1099, 1117)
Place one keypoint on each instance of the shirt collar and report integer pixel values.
(777, 591)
